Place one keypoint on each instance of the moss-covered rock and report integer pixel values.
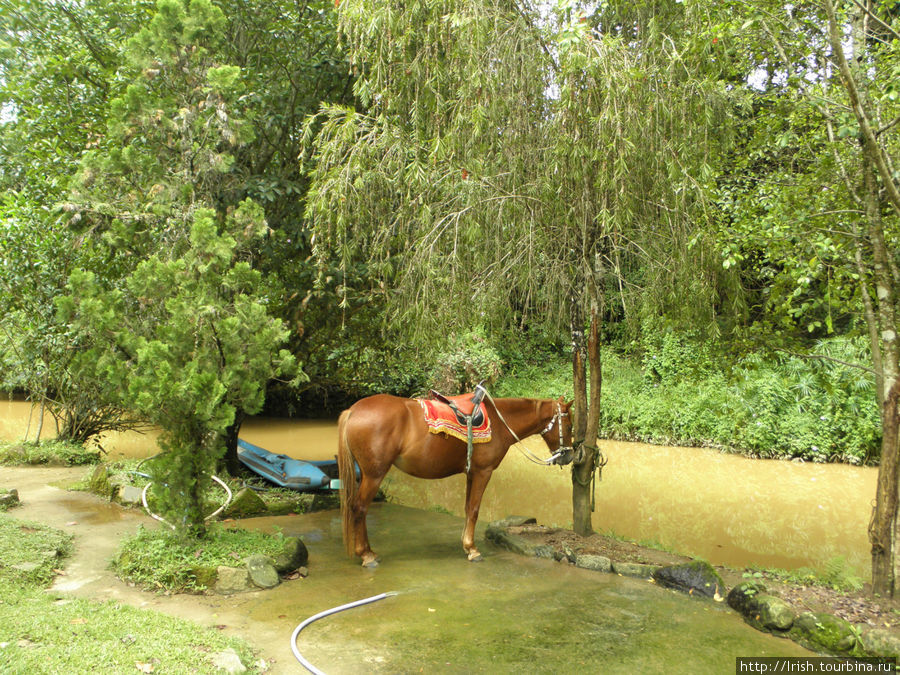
(630, 569)
(99, 482)
(880, 642)
(8, 498)
(696, 578)
(825, 631)
(294, 555)
(245, 504)
(205, 577)
(741, 596)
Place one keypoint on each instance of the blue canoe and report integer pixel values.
(288, 472)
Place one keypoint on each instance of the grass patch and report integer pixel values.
(835, 574)
(54, 453)
(47, 633)
(30, 552)
(159, 560)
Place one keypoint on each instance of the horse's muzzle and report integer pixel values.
(562, 456)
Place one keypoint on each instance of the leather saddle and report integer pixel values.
(465, 406)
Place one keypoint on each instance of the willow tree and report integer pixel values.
(508, 157)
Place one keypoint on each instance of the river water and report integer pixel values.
(725, 508)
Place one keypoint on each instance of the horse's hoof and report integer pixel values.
(476, 557)
(370, 564)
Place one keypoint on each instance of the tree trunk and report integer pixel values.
(581, 505)
(231, 461)
(589, 424)
(881, 529)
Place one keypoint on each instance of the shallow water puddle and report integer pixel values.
(507, 614)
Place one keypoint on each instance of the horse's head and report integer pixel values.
(558, 433)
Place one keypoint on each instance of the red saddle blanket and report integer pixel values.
(441, 419)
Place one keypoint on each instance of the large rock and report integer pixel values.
(246, 503)
(760, 610)
(824, 631)
(696, 577)
(514, 521)
(262, 571)
(233, 580)
(294, 555)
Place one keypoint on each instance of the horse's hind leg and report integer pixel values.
(368, 486)
(476, 482)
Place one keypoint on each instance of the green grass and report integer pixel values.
(836, 574)
(30, 552)
(56, 453)
(48, 632)
(42, 632)
(158, 560)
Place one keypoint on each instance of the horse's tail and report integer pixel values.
(349, 486)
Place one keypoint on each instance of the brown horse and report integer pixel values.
(383, 430)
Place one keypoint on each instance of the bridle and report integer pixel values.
(563, 455)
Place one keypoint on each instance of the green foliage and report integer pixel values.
(780, 407)
(31, 552)
(60, 453)
(469, 359)
(161, 560)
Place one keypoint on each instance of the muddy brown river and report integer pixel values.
(727, 509)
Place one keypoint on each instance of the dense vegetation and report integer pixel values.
(211, 206)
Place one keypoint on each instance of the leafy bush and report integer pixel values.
(469, 359)
(59, 453)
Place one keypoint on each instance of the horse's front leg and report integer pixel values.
(476, 482)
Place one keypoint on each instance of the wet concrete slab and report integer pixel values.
(507, 614)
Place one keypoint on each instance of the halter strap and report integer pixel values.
(530, 456)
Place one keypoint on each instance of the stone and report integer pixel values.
(768, 612)
(512, 542)
(598, 563)
(205, 577)
(544, 551)
(9, 498)
(825, 631)
(229, 661)
(741, 595)
(99, 482)
(293, 556)
(232, 580)
(880, 642)
(696, 578)
(514, 521)
(129, 494)
(629, 569)
(262, 571)
(246, 503)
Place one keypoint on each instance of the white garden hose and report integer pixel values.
(334, 610)
(211, 515)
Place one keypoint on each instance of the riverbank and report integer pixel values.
(872, 624)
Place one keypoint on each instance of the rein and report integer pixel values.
(530, 456)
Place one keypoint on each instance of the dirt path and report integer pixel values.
(98, 527)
